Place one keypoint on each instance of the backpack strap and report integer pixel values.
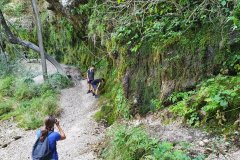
(49, 132)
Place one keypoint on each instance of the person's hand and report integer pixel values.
(57, 122)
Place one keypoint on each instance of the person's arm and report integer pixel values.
(62, 134)
(98, 85)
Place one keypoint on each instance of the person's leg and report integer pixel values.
(89, 86)
(94, 87)
(96, 92)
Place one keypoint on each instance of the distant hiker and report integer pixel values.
(95, 85)
(69, 75)
(90, 78)
(25, 55)
(45, 146)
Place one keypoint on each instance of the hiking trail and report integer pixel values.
(76, 119)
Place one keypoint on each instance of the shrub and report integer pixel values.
(115, 107)
(15, 9)
(132, 143)
(156, 104)
(25, 90)
(216, 98)
(6, 84)
(34, 102)
(106, 114)
(4, 68)
(30, 120)
(59, 81)
(5, 107)
(30, 114)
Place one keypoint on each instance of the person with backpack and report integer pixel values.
(90, 78)
(45, 148)
(95, 85)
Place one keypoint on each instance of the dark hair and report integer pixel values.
(49, 126)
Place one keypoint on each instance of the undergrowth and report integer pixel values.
(214, 103)
(28, 103)
(133, 143)
(113, 106)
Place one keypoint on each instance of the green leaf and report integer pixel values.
(224, 104)
(223, 3)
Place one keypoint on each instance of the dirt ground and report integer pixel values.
(82, 132)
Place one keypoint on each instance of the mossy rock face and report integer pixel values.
(106, 115)
(172, 58)
(178, 66)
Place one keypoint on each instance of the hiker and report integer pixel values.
(53, 137)
(90, 78)
(95, 85)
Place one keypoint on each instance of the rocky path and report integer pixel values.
(82, 132)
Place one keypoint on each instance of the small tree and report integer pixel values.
(40, 39)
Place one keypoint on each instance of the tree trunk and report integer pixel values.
(15, 40)
(40, 39)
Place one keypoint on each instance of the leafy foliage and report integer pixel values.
(27, 102)
(12, 9)
(132, 143)
(5, 107)
(113, 108)
(156, 104)
(133, 24)
(6, 86)
(216, 98)
(236, 17)
(59, 81)
(3, 3)
(164, 40)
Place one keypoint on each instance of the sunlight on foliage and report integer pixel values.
(27, 102)
(127, 143)
(216, 98)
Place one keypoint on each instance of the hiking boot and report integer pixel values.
(93, 94)
(89, 91)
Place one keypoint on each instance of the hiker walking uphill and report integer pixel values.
(46, 144)
(90, 78)
(95, 85)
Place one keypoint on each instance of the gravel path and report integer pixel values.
(82, 132)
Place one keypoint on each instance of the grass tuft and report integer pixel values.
(27, 103)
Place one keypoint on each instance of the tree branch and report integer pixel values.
(15, 40)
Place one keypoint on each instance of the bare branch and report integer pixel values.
(15, 40)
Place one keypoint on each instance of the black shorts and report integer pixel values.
(89, 81)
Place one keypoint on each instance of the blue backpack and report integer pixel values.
(41, 150)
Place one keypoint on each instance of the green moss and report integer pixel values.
(106, 114)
